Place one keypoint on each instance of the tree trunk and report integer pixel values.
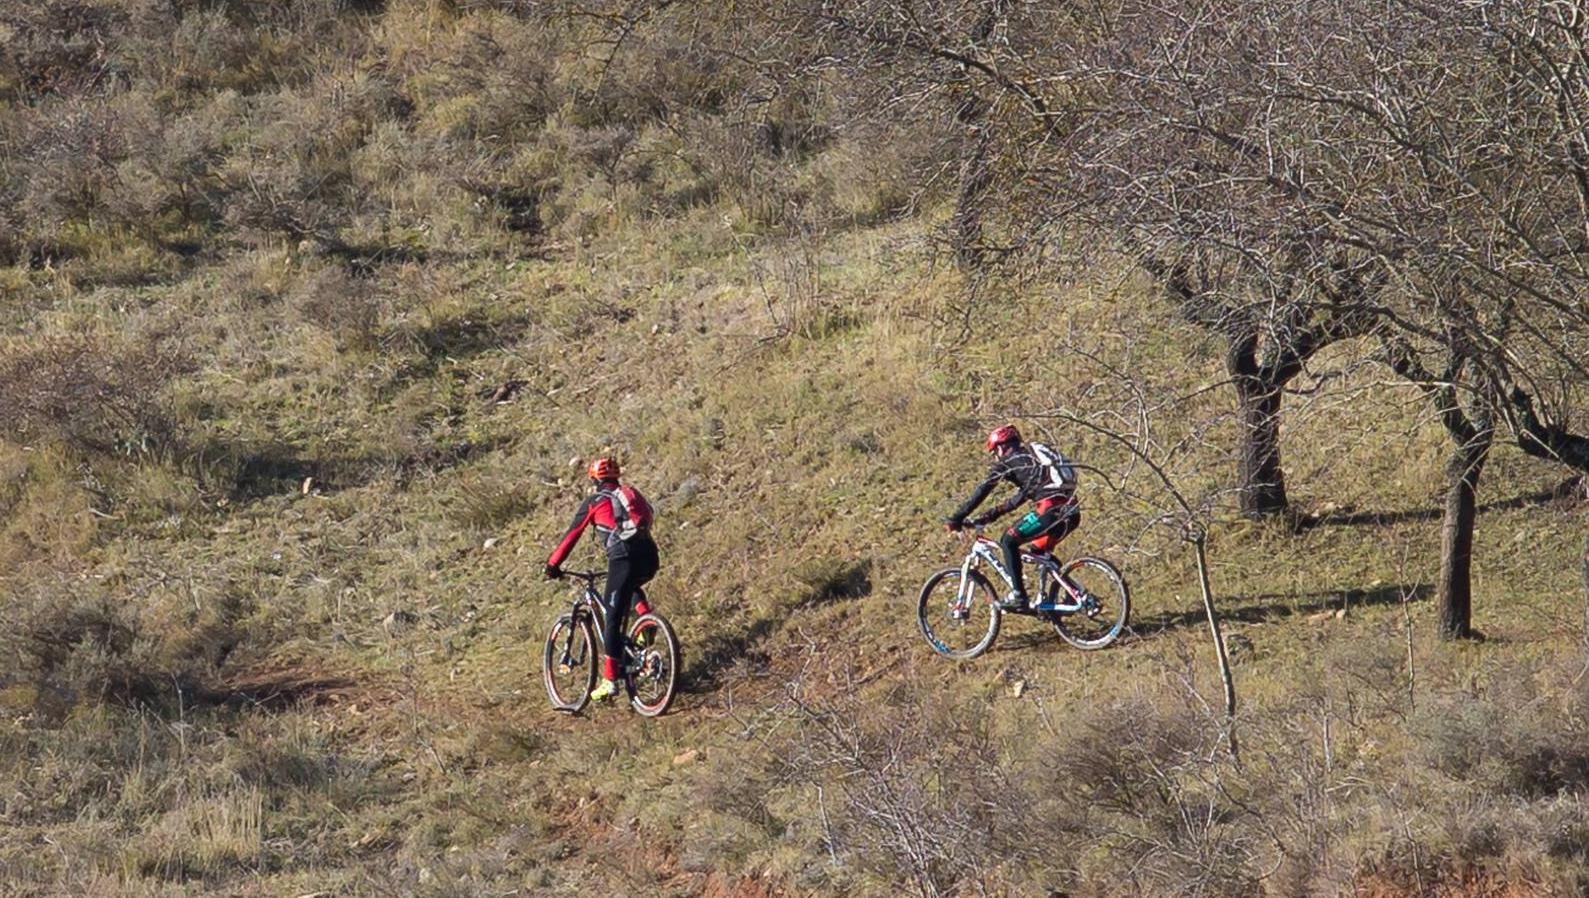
(1456, 534)
(1262, 485)
(975, 176)
(1200, 546)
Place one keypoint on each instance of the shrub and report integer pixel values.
(484, 502)
(887, 809)
(167, 187)
(206, 834)
(73, 642)
(58, 47)
(346, 307)
(69, 645)
(88, 394)
(490, 80)
(69, 153)
(294, 176)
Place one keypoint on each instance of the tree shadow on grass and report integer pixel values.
(1567, 490)
(458, 337)
(1270, 606)
(248, 471)
(270, 470)
(1257, 609)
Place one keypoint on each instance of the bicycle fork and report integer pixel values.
(960, 608)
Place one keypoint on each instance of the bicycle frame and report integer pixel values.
(590, 601)
(990, 552)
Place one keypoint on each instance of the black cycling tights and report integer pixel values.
(1055, 523)
(625, 576)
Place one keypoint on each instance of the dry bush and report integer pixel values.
(66, 164)
(167, 187)
(139, 804)
(13, 478)
(275, 755)
(72, 643)
(253, 280)
(760, 185)
(346, 307)
(889, 807)
(293, 176)
(88, 393)
(187, 50)
(12, 219)
(859, 183)
(70, 646)
(1149, 800)
(793, 279)
(48, 512)
(735, 807)
(919, 790)
(208, 52)
(58, 47)
(488, 79)
(485, 501)
(1524, 739)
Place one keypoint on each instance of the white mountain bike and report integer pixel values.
(1085, 600)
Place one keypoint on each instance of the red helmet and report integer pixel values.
(1001, 435)
(604, 468)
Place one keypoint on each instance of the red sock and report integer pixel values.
(642, 608)
(609, 668)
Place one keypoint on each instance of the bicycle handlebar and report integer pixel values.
(588, 576)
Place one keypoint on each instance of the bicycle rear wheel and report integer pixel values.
(652, 667)
(956, 629)
(568, 663)
(1106, 603)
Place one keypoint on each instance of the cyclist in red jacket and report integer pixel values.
(622, 519)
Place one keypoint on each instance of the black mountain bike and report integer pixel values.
(650, 654)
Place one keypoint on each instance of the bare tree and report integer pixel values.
(1148, 129)
(1467, 181)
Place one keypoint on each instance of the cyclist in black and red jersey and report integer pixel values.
(1040, 475)
(622, 519)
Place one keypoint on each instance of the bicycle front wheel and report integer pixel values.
(652, 668)
(568, 664)
(1106, 603)
(959, 619)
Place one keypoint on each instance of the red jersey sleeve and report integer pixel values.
(594, 511)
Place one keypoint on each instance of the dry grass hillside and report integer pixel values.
(312, 318)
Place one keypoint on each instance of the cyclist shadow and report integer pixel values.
(1258, 609)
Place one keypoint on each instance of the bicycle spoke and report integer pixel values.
(957, 618)
(568, 664)
(651, 665)
(1102, 594)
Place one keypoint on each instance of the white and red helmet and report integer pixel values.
(1002, 435)
(603, 469)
